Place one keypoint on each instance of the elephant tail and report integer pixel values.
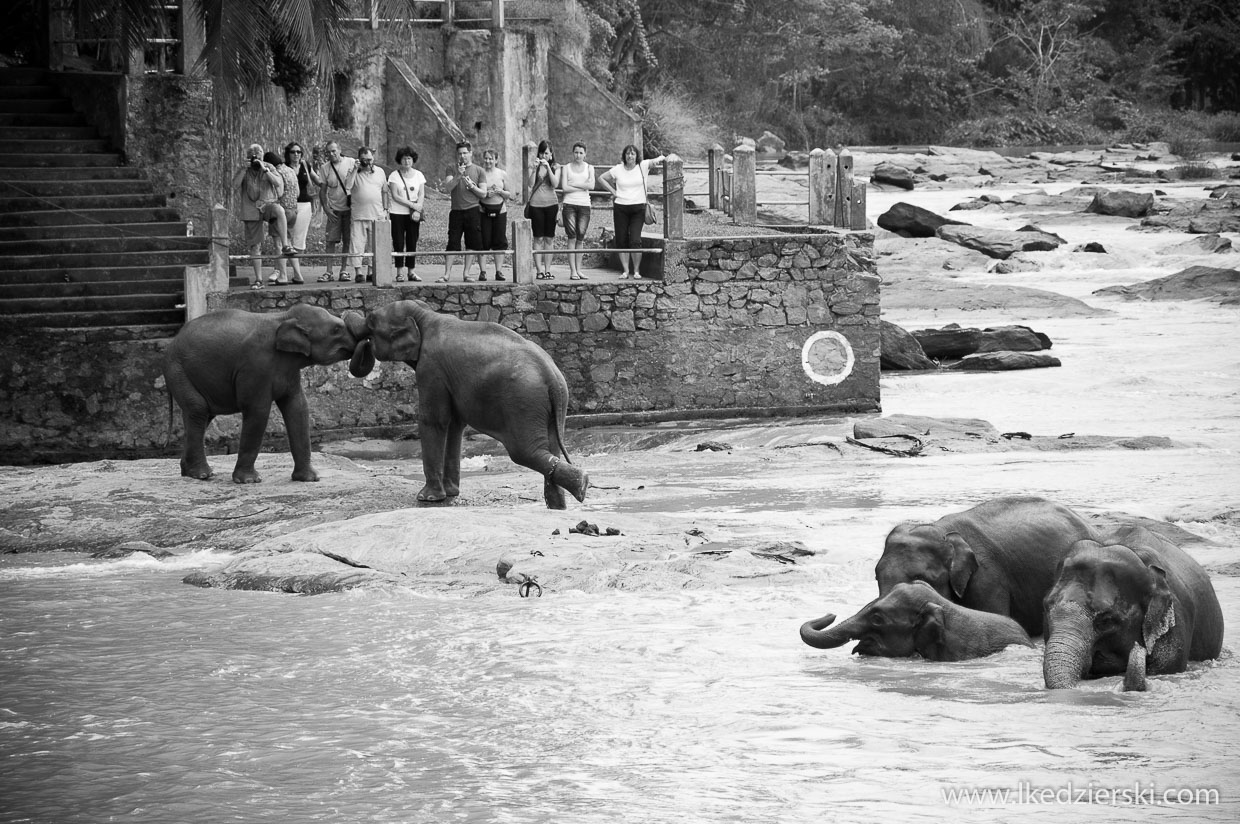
(557, 424)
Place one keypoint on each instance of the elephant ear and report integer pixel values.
(963, 563)
(363, 361)
(928, 634)
(1160, 643)
(407, 342)
(291, 336)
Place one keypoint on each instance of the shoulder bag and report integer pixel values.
(528, 210)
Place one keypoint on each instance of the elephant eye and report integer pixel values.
(878, 619)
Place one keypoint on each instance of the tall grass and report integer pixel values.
(676, 122)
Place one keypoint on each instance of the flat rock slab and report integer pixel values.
(1005, 361)
(1189, 284)
(998, 243)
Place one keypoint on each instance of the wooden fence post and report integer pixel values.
(522, 251)
(744, 186)
(497, 14)
(857, 216)
(714, 168)
(384, 267)
(449, 12)
(528, 154)
(673, 198)
(818, 188)
(844, 189)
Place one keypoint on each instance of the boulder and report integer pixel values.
(1121, 204)
(1013, 339)
(1015, 264)
(1188, 284)
(1005, 361)
(1226, 190)
(900, 350)
(1199, 217)
(998, 243)
(893, 175)
(794, 160)
(769, 144)
(746, 141)
(1201, 245)
(1093, 246)
(949, 343)
(908, 220)
(886, 428)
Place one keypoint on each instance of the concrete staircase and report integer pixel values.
(86, 243)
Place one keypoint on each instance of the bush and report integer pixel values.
(1023, 129)
(1196, 171)
(676, 122)
(1225, 127)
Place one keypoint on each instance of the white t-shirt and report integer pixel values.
(332, 181)
(408, 188)
(368, 194)
(630, 183)
(577, 197)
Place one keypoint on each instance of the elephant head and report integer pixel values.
(395, 334)
(1109, 613)
(317, 334)
(906, 620)
(926, 552)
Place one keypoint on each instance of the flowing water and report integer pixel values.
(127, 696)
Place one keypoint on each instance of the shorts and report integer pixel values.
(290, 220)
(495, 231)
(300, 227)
(576, 221)
(466, 223)
(338, 225)
(542, 220)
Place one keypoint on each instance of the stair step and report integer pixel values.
(42, 119)
(33, 134)
(71, 173)
(16, 263)
(42, 91)
(168, 287)
(171, 228)
(60, 217)
(58, 247)
(38, 147)
(66, 188)
(18, 106)
(90, 303)
(78, 202)
(9, 159)
(92, 274)
(79, 320)
(23, 76)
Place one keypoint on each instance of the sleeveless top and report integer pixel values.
(576, 197)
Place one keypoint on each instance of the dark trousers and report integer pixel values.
(405, 231)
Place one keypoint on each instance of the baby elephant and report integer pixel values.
(913, 618)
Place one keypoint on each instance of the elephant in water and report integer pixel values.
(1137, 604)
(479, 374)
(913, 618)
(233, 361)
(1000, 556)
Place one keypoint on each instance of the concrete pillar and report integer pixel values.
(385, 267)
(497, 14)
(528, 154)
(449, 12)
(744, 186)
(522, 250)
(59, 29)
(197, 287)
(673, 197)
(193, 39)
(714, 168)
(218, 258)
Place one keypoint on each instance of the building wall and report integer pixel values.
(579, 108)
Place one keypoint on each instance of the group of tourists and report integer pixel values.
(278, 194)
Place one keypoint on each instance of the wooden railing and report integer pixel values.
(834, 198)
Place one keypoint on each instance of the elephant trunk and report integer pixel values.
(1069, 646)
(355, 322)
(816, 633)
(1134, 676)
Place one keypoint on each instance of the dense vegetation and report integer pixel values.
(976, 72)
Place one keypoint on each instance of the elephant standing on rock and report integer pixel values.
(479, 374)
(233, 361)
(1137, 604)
(999, 556)
(913, 618)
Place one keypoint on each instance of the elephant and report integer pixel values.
(234, 361)
(913, 618)
(479, 374)
(1000, 556)
(1136, 604)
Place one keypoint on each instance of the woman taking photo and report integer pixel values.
(494, 214)
(576, 179)
(627, 183)
(543, 207)
(307, 179)
(407, 187)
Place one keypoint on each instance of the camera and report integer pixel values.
(255, 163)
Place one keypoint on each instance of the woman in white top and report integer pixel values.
(494, 213)
(627, 183)
(407, 187)
(576, 180)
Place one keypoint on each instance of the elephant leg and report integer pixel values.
(452, 459)
(253, 425)
(193, 454)
(434, 439)
(296, 413)
(556, 472)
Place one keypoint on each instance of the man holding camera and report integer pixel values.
(334, 195)
(260, 187)
(367, 184)
(467, 184)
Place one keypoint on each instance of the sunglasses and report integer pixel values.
(294, 151)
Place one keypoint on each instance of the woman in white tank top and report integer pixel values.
(576, 180)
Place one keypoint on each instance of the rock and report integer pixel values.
(900, 350)
(1005, 361)
(1015, 264)
(1201, 245)
(1188, 284)
(131, 547)
(769, 144)
(908, 220)
(887, 428)
(949, 343)
(746, 141)
(893, 175)
(998, 243)
(1225, 190)
(1121, 204)
(1199, 217)
(1013, 339)
(1092, 246)
(1033, 227)
(794, 160)
(970, 205)
(713, 446)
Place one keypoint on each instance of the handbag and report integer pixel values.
(528, 211)
(348, 198)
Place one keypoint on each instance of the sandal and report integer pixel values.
(273, 278)
(289, 251)
(258, 285)
(297, 281)
(577, 277)
(499, 276)
(327, 278)
(443, 279)
(400, 278)
(625, 276)
(344, 278)
(414, 278)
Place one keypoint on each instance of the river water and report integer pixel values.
(127, 696)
